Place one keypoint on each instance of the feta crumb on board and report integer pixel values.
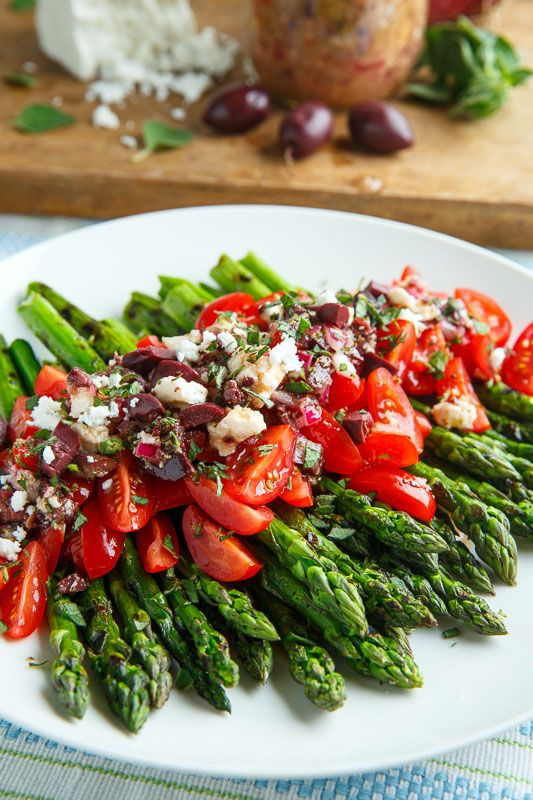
(104, 117)
(174, 391)
(237, 426)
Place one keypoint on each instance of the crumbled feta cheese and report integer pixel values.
(398, 296)
(227, 341)
(172, 391)
(496, 358)
(54, 502)
(343, 365)
(104, 117)
(56, 101)
(208, 337)
(19, 533)
(128, 141)
(271, 311)
(178, 113)
(285, 354)
(326, 296)
(416, 319)
(100, 381)
(9, 549)
(95, 416)
(48, 455)
(19, 500)
(134, 402)
(114, 380)
(114, 410)
(146, 438)
(29, 67)
(47, 413)
(80, 401)
(238, 424)
(107, 484)
(91, 436)
(459, 414)
(183, 346)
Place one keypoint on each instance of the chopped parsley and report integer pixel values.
(450, 633)
(265, 449)
(480, 327)
(140, 501)
(312, 455)
(168, 544)
(298, 387)
(194, 450)
(266, 400)
(303, 325)
(253, 337)
(79, 521)
(437, 363)
(3, 627)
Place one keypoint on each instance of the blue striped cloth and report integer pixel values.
(33, 768)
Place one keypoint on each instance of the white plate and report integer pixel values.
(472, 689)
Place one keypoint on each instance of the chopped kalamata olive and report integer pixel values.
(237, 109)
(305, 129)
(78, 379)
(373, 361)
(232, 394)
(145, 359)
(7, 514)
(143, 407)
(3, 431)
(65, 445)
(376, 289)
(334, 314)
(92, 466)
(173, 369)
(200, 414)
(174, 468)
(358, 425)
(380, 127)
(72, 584)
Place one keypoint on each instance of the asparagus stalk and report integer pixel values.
(212, 290)
(376, 656)
(384, 599)
(460, 562)
(511, 428)
(265, 274)
(154, 603)
(418, 585)
(330, 589)
(324, 517)
(233, 605)
(143, 314)
(69, 676)
(522, 465)
(393, 528)
(147, 651)
(501, 398)
(480, 461)
(58, 335)
(183, 304)
(521, 449)
(235, 277)
(463, 604)
(10, 385)
(310, 664)
(125, 683)
(26, 364)
(123, 338)
(211, 646)
(486, 526)
(168, 283)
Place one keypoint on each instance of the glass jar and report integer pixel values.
(339, 51)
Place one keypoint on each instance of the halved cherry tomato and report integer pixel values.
(23, 600)
(79, 489)
(340, 453)
(419, 384)
(300, 493)
(517, 369)
(398, 489)
(126, 496)
(396, 342)
(169, 494)
(5, 572)
(396, 438)
(456, 384)
(224, 509)
(411, 279)
(51, 540)
(485, 309)
(94, 548)
(6, 460)
(418, 379)
(424, 423)
(24, 456)
(344, 392)
(51, 382)
(19, 426)
(149, 341)
(241, 303)
(259, 470)
(219, 553)
(157, 544)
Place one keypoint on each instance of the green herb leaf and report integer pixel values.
(33, 663)
(339, 534)
(312, 455)
(140, 501)
(298, 387)
(480, 327)
(253, 337)
(68, 609)
(22, 79)
(437, 363)
(265, 400)
(449, 633)
(160, 136)
(39, 117)
(194, 450)
(111, 446)
(168, 544)
(79, 521)
(32, 402)
(3, 627)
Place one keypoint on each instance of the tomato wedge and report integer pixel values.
(396, 438)
(19, 427)
(340, 453)
(396, 342)
(259, 470)
(220, 554)
(6, 573)
(126, 496)
(397, 488)
(51, 540)
(239, 302)
(418, 379)
(169, 494)
(79, 489)
(344, 392)
(24, 455)
(149, 341)
(157, 544)
(517, 369)
(456, 384)
(23, 600)
(424, 423)
(94, 548)
(484, 309)
(224, 509)
(300, 493)
(51, 382)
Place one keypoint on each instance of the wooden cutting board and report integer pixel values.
(473, 180)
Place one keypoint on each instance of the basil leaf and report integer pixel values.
(160, 136)
(39, 117)
(15, 78)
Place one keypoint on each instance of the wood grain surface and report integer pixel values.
(473, 180)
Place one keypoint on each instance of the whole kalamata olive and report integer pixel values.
(305, 129)
(237, 109)
(379, 126)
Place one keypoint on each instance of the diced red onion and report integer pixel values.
(146, 450)
(311, 412)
